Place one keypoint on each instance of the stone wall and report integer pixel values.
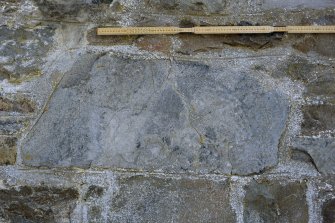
(168, 128)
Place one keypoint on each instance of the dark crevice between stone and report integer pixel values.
(186, 23)
(208, 43)
(303, 156)
(102, 1)
(258, 173)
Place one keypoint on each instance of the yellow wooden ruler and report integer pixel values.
(213, 30)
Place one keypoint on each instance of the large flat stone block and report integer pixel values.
(159, 115)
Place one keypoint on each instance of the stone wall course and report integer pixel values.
(165, 128)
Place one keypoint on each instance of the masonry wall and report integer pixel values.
(167, 128)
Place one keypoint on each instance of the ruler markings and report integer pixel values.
(213, 30)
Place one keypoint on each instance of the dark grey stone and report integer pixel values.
(328, 211)
(318, 119)
(321, 151)
(36, 204)
(274, 201)
(189, 6)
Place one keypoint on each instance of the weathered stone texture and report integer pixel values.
(10, 126)
(325, 198)
(165, 128)
(18, 104)
(319, 43)
(317, 136)
(188, 6)
(127, 113)
(187, 43)
(22, 51)
(321, 150)
(152, 199)
(191, 44)
(7, 150)
(295, 4)
(318, 119)
(318, 76)
(36, 204)
(328, 211)
(274, 201)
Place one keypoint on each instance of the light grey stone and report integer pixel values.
(153, 115)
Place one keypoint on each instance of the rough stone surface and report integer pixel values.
(36, 204)
(151, 199)
(165, 128)
(321, 150)
(294, 4)
(11, 125)
(328, 211)
(267, 201)
(317, 136)
(316, 44)
(7, 150)
(22, 51)
(182, 116)
(189, 6)
(318, 119)
(20, 105)
(191, 44)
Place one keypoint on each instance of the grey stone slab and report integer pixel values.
(222, 109)
(159, 116)
(321, 151)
